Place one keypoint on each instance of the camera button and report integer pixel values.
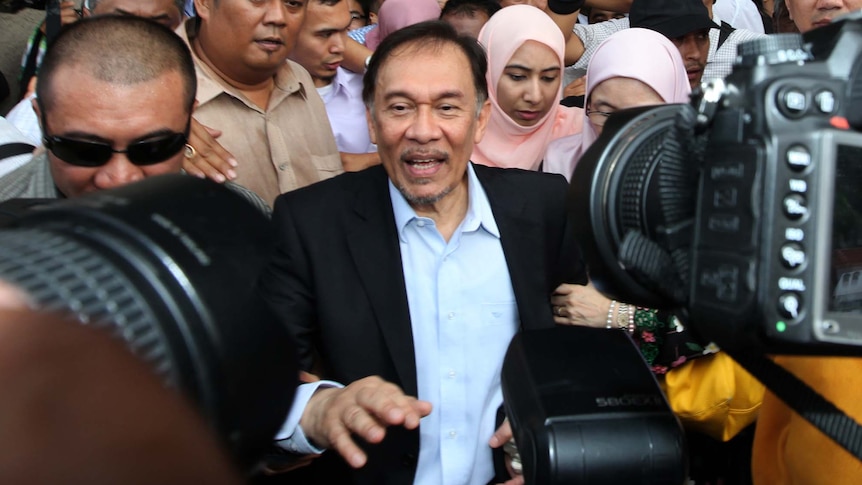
(792, 255)
(795, 206)
(798, 158)
(790, 305)
(825, 101)
(794, 101)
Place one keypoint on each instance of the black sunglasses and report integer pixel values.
(95, 154)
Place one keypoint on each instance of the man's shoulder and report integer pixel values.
(743, 35)
(527, 179)
(334, 191)
(30, 181)
(293, 73)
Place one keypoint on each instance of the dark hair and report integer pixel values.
(470, 7)
(432, 34)
(123, 50)
(92, 4)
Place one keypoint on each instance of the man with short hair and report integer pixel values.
(468, 16)
(404, 283)
(270, 116)
(114, 99)
(686, 23)
(585, 39)
(320, 50)
(166, 12)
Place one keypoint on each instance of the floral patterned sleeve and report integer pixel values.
(663, 340)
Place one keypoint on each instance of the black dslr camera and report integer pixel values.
(743, 210)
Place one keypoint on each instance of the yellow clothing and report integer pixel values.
(788, 450)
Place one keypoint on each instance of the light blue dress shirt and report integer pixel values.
(463, 314)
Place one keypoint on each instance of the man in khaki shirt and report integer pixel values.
(269, 114)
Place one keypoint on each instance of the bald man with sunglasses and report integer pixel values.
(114, 99)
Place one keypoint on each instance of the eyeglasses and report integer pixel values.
(600, 116)
(85, 153)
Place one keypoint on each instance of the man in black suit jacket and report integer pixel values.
(344, 281)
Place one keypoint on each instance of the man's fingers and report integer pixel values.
(215, 133)
(391, 406)
(502, 435)
(209, 157)
(341, 441)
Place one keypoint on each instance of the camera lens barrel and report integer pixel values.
(170, 266)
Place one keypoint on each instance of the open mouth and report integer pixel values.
(424, 164)
(270, 43)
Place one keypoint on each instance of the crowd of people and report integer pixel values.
(413, 156)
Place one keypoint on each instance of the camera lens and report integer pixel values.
(169, 265)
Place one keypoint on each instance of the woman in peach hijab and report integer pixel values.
(525, 68)
(633, 67)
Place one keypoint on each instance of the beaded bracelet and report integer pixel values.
(610, 320)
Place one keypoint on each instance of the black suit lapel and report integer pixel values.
(519, 236)
(373, 242)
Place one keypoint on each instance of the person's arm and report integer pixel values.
(355, 55)
(662, 340)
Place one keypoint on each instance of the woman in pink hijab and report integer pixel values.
(525, 68)
(633, 67)
(397, 14)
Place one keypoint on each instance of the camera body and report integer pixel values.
(741, 210)
(778, 168)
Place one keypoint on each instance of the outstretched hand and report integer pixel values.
(365, 408)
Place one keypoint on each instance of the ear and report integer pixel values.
(38, 112)
(482, 122)
(202, 8)
(372, 133)
(372, 18)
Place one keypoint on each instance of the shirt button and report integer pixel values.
(452, 373)
(451, 315)
(282, 167)
(453, 434)
(420, 223)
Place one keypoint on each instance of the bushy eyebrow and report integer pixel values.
(450, 94)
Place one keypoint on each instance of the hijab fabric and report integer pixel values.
(634, 53)
(397, 14)
(506, 143)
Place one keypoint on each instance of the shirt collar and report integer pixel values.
(478, 214)
(341, 82)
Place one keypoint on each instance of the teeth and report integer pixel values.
(423, 164)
